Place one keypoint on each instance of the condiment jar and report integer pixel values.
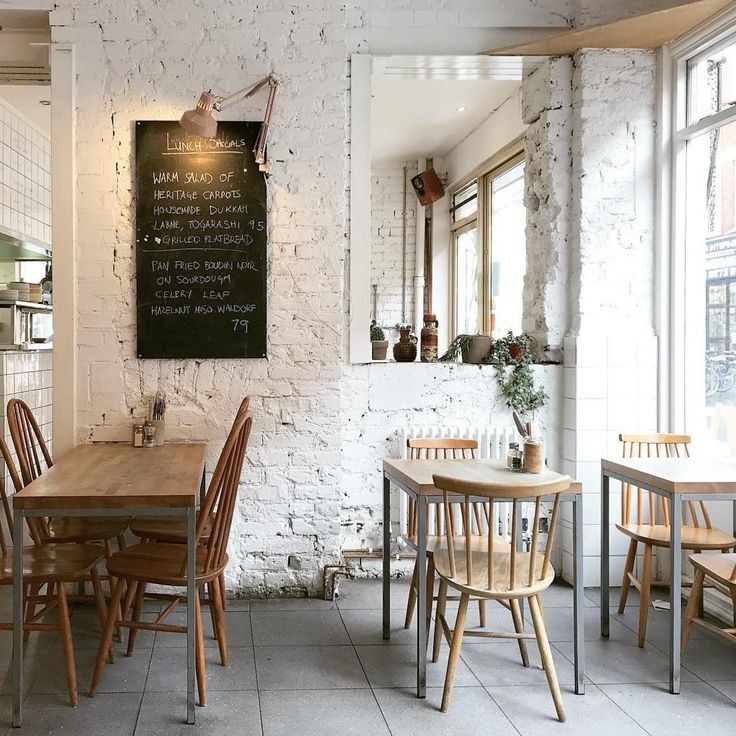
(514, 457)
(533, 455)
(149, 435)
(137, 435)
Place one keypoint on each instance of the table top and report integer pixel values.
(416, 475)
(677, 474)
(119, 476)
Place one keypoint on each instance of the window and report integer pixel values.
(703, 292)
(488, 221)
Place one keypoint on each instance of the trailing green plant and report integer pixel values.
(456, 348)
(377, 334)
(517, 384)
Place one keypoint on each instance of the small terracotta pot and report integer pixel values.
(379, 349)
(479, 347)
(516, 352)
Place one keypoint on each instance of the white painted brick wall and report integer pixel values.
(387, 206)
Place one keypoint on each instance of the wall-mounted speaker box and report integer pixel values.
(428, 187)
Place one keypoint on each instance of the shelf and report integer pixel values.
(37, 306)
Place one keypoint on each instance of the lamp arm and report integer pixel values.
(223, 102)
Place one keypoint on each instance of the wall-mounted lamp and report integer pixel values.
(200, 121)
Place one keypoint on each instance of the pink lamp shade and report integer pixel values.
(200, 121)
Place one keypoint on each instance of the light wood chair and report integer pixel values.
(49, 565)
(720, 572)
(506, 575)
(165, 564)
(34, 458)
(436, 448)
(173, 530)
(645, 519)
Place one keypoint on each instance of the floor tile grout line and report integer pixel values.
(255, 667)
(628, 715)
(365, 674)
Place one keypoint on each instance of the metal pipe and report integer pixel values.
(403, 252)
(419, 276)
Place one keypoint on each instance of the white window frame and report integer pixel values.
(673, 301)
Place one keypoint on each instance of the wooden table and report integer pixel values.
(414, 477)
(675, 479)
(113, 480)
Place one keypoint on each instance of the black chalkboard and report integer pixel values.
(200, 242)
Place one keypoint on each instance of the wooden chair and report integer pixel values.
(34, 458)
(173, 529)
(436, 448)
(505, 575)
(165, 564)
(720, 571)
(645, 519)
(49, 565)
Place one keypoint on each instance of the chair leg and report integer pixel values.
(693, 604)
(33, 591)
(210, 598)
(457, 642)
(223, 590)
(140, 592)
(441, 605)
(65, 629)
(128, 598)
(646, 584)
(218, 621)
(430, 592)
(199, 651)
(482, 612)
(101, 607)
(546, 654)
(626, 582)
(412, 602)
(519, 628)
(106, 642)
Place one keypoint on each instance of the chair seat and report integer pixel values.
(478, 584)
(167, 528)
(53, 563)
(86, 528)
(719, 567)
(160, 563)
(693, 537)
(477, 542)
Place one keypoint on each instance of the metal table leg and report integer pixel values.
(421, 597)
(519, 545)
(605, 551)
(386, 557)
(675, 590)
(191, 593)
(17, 618)
(203, 487)
(578, 594)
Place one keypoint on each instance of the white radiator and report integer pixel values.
(493, 443)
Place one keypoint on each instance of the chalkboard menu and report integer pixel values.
(200, 243)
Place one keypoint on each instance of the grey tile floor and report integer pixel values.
(303, 667)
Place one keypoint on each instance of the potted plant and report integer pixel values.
(517, 384)
(379, 343)
(472, 348)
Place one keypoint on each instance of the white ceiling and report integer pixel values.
(26, 99)
(413, 118)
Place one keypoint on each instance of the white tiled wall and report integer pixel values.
(27, 376)
(610, 387)
(25, 178)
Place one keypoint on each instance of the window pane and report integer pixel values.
(711, 274)
(465, 202)
(466, 282)
(711, 83)
(508, 250)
